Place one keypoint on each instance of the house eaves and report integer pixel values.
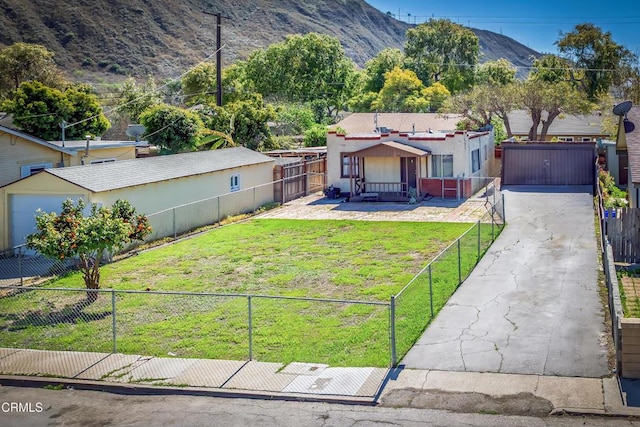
(35, 140)
(390, 149)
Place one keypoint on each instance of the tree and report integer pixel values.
(300, 69)
(436, 95)
(39, 110)
(551, 68)
(496, 73)
(547, 101)
(70, 234)
(597, 54)
(376, 68)
(22, 62)
(199, 84)
(402, 92)
(316, 136)
(485, 102)
(134, 99)
(245, 121)
(172, 128)
(442, 51)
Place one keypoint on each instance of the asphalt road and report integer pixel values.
(531, 305)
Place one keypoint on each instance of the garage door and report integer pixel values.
(548, 164)
(23, 209)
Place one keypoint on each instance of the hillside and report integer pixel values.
(164, 37)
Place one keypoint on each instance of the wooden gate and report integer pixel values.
(299, 178)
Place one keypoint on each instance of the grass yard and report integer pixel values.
(348, 260)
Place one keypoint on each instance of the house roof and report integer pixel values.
(130, 173)
(633, 145)
(365, 123)
(390, 149)
(81, 145)
(587, 125)
(20, 134)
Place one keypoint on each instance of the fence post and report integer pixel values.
(392, 308)
(478, 259)
(250, 328)
(20, 263)
(504, 217)
(459, 264)
(219, 220)
(175, 233)
(113, 320)
(493, 221)
(430, 291)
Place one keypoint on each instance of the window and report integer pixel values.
(346, 166)
(442, 165)
(28, 170)
(95, 162)
(235, 182)
(565, 138)
(475, 160)
(586, 139)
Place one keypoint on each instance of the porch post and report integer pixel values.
(351, 194)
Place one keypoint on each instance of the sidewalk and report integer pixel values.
(411, 388)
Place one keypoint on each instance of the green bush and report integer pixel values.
(316, 136)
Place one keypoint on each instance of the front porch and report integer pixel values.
(372, 172)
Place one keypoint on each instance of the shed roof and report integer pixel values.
(569, 125)
(390, 149)
(130, 173)
(365, 123)
(633, 145)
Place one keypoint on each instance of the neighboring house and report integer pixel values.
(151, 184)
(362, 123)
(395, 164)
(24, 155)
(631, 141)
(564, 128)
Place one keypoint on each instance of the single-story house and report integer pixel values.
(391, 164)
(24, 155)
(564, 128)
(178, 192)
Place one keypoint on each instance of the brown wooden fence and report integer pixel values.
(622, 227)
(298, 179)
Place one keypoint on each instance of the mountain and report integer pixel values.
(164, 37)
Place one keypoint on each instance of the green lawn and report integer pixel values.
(347, 260)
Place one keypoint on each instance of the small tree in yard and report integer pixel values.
(70, 234)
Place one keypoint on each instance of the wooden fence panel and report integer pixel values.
(622, 227)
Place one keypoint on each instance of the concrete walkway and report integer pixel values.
(531, 306)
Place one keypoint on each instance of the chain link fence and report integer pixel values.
(239, 326)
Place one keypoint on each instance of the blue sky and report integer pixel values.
(534, 24)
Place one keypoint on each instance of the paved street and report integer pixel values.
(531, 306)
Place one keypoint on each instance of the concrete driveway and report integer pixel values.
(531, 306)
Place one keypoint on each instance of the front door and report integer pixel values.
(408, 171)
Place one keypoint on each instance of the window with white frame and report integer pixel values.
(96, 162)
(235, 182)
(586, 139)
(346, 171)
(441, 165)
(28, 170)
(475, 160)
(565, 138)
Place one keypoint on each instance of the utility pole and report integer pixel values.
(218, 56)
